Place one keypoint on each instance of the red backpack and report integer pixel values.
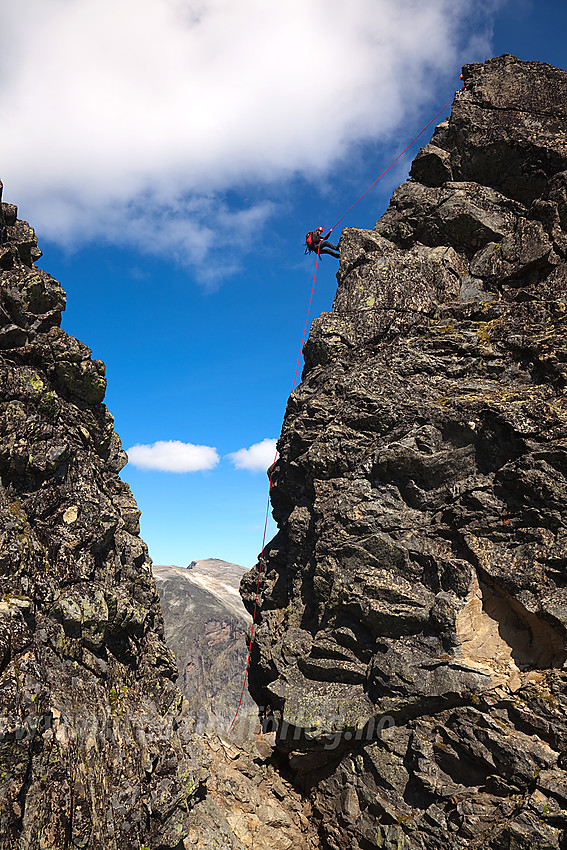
(309, 242)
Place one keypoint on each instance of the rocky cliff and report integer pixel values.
(411, 634)
(91, 751)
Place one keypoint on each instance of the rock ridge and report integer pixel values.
(411, 633)
(95, 750)
(205, 626)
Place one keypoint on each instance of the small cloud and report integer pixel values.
(257, 458)
(173, 456)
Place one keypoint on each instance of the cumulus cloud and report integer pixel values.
(258, 458)
(128, 120)
(173, 456)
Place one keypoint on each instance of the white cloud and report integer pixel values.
(173, 456)
(258, 458)
(126, 120)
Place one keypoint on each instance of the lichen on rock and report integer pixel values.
(419, 572)
(94, 748)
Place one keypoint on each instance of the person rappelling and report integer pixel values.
(315, 241)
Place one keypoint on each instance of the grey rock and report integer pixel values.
(412, 625)
(432, 166)
(96, 750)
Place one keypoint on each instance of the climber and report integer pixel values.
(315, 241)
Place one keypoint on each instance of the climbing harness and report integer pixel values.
(310, 236)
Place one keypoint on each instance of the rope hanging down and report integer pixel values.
(261, 561)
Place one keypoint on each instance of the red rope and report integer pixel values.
(415, 138)
(260, 565)
(261, 561)
(306, 318)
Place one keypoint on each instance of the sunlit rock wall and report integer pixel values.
(90, 751)
(412, 620)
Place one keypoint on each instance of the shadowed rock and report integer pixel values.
(420, 569)
(95, 751)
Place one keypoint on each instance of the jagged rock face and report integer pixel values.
(412, 621)
(263, 809)
(90, 754)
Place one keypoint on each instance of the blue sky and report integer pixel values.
(171, 155)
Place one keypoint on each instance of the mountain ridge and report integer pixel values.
(205, 626)
(221, 578)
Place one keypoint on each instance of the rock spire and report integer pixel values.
(413, 614)
(90, 750)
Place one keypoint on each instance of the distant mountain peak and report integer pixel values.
(217, 577)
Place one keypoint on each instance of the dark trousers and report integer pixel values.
(325, 247)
